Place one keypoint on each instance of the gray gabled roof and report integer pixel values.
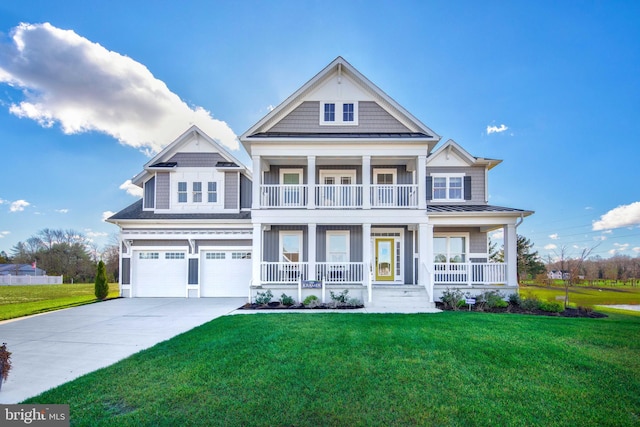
(135, 212)
(474, 209)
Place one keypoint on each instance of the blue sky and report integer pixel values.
(89, 89)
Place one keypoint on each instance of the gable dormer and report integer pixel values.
(455, 176)
(194, 174)
(338, 103)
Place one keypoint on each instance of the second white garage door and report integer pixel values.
(225, 273)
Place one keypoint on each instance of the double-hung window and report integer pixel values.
(197, 192)
(329, 112)
(339, 113)
(448, 187)
(212, 192)
(347, 112)
(182, 192)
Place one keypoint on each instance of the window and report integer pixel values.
(450, 249)
(329, 112)
(182, 192)
(292, 191)
(215, 255)
(448, 187)
(148, 255)
(291, 246)
(347, 112)
(197, 192)
(212, 192)
(339, 113)
(174, 255)
(337, 246)
(241, 255)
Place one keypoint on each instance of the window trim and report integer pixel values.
(184, 192)
(339, 113)
(448, 236)
(214, 192)
(347, 235)
(299, 235)
(197, 194)
(447, 188)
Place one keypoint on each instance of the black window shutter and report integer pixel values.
(429, 188)
(467, 188)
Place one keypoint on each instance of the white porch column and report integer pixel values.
(257, 182)
(312, 251)
(422, 182)
(425, 258)
(366, 183)
(511, 254)
(311, 182)
(256, 256)
(366, 257)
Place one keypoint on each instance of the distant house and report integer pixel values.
(21, 270)
(346, 187)
(558, 275)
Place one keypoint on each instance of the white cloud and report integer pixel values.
(131, 188)
(62, 211)
(550, 247)
(636, 249)
(270, 108)
(18, 205)
(93, 234)
(553, 236)
(107, 214)
(622, 216)
(496, 129)
(498, 235)
(82, 86)
(4, 233)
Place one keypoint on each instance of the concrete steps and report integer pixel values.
(401, 297)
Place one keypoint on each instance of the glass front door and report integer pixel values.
(384, 259)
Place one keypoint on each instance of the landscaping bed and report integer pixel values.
(567, 312)
(276, 305)
(340, 301)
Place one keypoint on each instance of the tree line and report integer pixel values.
(65, 252)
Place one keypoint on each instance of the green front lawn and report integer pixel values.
(584, 296)
(452, 368)
(18, 301)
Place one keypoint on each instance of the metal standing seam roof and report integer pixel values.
(135, 211)
(471, 208)
(340, 135)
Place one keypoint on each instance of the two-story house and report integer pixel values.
(347, 188)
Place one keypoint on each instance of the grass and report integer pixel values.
(453, 368)
(583, 296)
(18, 301)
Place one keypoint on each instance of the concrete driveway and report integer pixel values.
(53, 348)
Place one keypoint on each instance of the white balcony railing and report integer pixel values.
(340, 272)
(339, 196)
(484, 273)
(283, 272)
(393, 196)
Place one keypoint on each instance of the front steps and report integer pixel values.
(401, 298)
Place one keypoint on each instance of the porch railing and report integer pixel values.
(340, 272)
(339, 196)
(484, 273)
(283, 272)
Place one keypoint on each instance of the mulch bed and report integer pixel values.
(278, 306)
(568, 312)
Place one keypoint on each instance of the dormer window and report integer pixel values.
(339, 113)
(450, 187)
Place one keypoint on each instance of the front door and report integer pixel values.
(384, 259)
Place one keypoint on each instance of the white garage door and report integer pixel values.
(159, 273)
(225, 273)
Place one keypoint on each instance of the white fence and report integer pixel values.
(30, 280)
(486, 273)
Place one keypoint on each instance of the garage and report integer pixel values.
(159, 273)
(225, 273)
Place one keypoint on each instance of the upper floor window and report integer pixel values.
(448, 187)
(212, 192)
(182, 192)
(339, 113)
(329, 112)
(197, 192)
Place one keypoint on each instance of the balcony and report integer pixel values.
(351, 196)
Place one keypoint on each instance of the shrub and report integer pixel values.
(5, 363)
(264, 298)
(354, 302)
(310, 300)
(514, 299)
(552, 306)
(340, 298)
(490, 299)
(101, 286)
(530, 304)
(287, 300)
(451, 298)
